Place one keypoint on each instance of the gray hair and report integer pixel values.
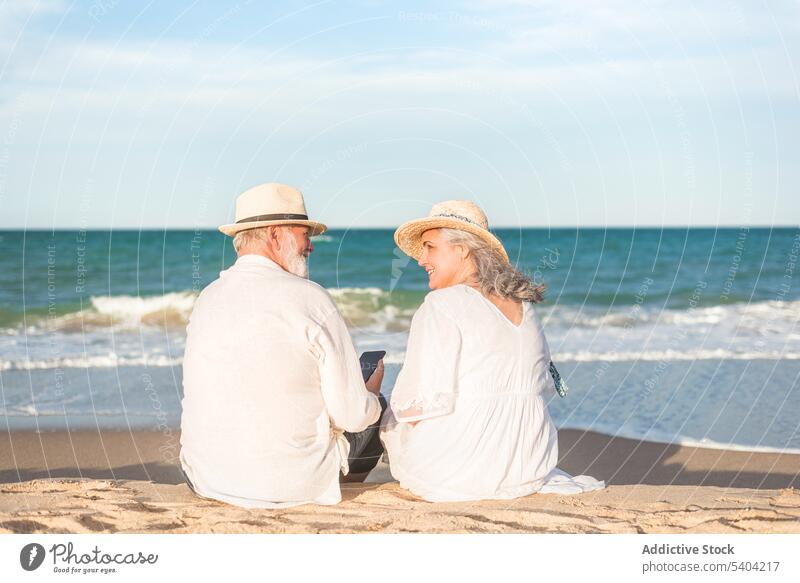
(244, 238)
(493, 274)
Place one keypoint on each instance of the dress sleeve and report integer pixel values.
(427, 384)
(543, 378)
(350, 405)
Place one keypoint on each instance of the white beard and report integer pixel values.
(294, 261)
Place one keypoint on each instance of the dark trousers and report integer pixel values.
(366, 449)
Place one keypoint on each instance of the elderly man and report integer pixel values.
(271, 379)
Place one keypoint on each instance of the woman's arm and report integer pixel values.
(427, 383)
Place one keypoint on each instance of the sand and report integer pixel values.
(112, 481)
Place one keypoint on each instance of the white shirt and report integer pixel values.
(271, 379)
(474, 382)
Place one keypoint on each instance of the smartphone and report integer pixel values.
(369, 362)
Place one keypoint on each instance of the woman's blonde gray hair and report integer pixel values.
(493, 274)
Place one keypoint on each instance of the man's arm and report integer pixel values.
(352, 405)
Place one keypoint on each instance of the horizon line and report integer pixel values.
(383, 228)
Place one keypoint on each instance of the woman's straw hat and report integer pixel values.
(271, 204)
(450, 214)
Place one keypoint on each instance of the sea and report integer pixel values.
(675, 335)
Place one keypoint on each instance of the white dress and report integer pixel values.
(474, 382)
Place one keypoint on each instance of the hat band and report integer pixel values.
(274, 217)
(460, 218)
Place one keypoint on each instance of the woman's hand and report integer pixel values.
(376, 378)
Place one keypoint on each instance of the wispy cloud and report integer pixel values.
(530, 47)
(549, 70)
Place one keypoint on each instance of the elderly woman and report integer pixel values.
(467, 420)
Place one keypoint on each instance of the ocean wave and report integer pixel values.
(398, 356)
(323, 239)
(146, 310)
(29, 410)
(374, 309)
(750, 314)
(341, 292)
(369, 307)
(96, 361)
(675, 439)
(671, 355)
(122, 312)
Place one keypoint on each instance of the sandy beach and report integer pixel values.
(121, 481)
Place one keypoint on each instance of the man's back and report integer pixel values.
(268, 368)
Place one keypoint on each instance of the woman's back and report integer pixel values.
(474, 380)
(497, 355)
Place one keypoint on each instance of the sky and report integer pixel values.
(567, 113)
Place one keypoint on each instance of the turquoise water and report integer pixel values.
(674, 334)
(591, 267)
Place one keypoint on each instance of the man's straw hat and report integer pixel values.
(452, 214)
(271, 204)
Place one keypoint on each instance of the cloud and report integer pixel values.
(17, 16)
(594, 77)
(578, 50)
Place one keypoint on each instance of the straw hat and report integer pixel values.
(271, 204)
(450, 214)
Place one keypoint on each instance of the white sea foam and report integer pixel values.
(680, 440)
(367, 306)
(379, 318)
(28, 410)
(135, 309)
(122, 312)
(339, 292)
(323, 239)
(670, 355)
(97, 361)
(397, 356)
(371, 308)
(381, 310)
(752, 314)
